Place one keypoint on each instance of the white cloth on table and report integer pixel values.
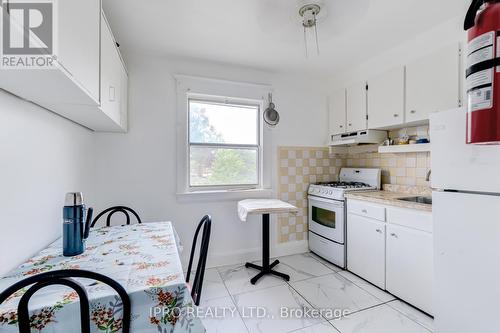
(263, 206)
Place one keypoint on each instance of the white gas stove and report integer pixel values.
(327, 220)
(350, 179)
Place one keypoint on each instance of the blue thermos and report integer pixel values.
(76, 224)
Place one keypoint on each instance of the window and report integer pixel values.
(224, 143)
(224, 151)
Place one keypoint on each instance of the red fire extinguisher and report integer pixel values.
(483, 72)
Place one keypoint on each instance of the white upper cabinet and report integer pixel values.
(114, 80)
(74, 76)
(337, 112)
(433, 83)
(356, 107)
(111, 74)
(402, 96)
(88, 81)
(386, 99)
(124, 100)
(79, 41)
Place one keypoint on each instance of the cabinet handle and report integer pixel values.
(364, 211)
(379, 231)
(394, 235)
(341, 126)
(413, 111)
(396, 115)
(112, 94)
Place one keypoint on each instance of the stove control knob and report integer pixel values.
(330, 192)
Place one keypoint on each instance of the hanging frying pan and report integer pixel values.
(271, 116)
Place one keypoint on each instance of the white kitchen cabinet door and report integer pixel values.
(337, 112)
(124, 99)
(386, 99)
(356, 107)
(409, 266)
(78, 41)
(366, 249)
(111, 74)
(433, 83)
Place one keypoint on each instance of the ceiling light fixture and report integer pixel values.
(309, 15)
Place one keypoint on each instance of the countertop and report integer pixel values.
(388, 198)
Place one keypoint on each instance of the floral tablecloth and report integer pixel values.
(143, 258)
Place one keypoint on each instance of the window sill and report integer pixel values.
(224, 195)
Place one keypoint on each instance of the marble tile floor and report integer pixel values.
(312, 302)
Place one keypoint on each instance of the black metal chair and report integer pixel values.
(64, 277)
(206, 223)
(113, 210)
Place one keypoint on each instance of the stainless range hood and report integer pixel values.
(359, 137)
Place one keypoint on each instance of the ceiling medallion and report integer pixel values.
(309, 15)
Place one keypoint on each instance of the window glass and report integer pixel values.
(224, 145)
(223, 123)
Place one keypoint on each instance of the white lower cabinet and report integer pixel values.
(409, 265)
(393, 249)
(366, 248)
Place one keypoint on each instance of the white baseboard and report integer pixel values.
(244, 255)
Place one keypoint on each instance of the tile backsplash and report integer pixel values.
(300, 166)
(397, 169)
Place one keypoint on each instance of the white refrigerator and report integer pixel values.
(466, 218)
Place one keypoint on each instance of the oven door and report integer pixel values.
(326, 218)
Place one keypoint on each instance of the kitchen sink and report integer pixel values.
(422, 200)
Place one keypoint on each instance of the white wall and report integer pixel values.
(42, 156)
(139, 169)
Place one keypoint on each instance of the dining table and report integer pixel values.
(143, 258)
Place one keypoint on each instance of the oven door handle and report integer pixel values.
(335, 203)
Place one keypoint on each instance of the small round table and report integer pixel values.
(264, 207)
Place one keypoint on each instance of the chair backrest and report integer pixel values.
(206, 223)
(64, 277)
(116, 209)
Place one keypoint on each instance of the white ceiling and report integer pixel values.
(268, 34)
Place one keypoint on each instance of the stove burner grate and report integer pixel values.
(344, 185)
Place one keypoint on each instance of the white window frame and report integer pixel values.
(227, 92)
(228, 101)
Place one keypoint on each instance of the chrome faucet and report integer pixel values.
(428, 177)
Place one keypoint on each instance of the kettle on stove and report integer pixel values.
(76, 224)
